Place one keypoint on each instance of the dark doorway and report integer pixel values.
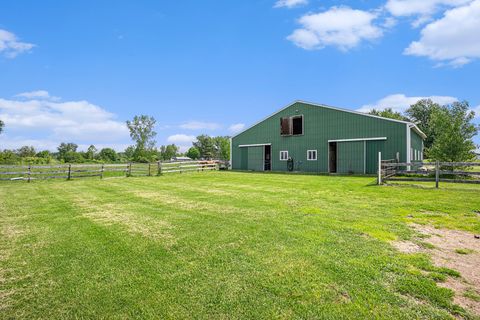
(268, 158)
(332, 157)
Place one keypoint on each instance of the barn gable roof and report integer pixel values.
(411, 124)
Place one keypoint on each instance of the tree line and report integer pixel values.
(449, 128)
(142, 133)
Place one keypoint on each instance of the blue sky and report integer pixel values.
(75, 71)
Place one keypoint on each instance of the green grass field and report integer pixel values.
(224, 245)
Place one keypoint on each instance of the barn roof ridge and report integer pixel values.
(411, 124)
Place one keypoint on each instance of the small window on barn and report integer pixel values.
(283, 155)
(285, 127)
(297, 124)
(312, 155)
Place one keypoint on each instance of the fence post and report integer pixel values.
(29, 172)
(69, 172)
(379, 180)
(437, 173)
(101, 171)
(129, 172)
(159, 170)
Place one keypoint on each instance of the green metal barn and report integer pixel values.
(308, 137)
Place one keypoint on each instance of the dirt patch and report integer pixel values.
(407, 246)
(453, 249)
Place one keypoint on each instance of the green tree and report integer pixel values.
(389, 113)
(73, 157)
(129, 153)
(206, 145)
(168, 152)
(222, 147)
(64, 149)
(108, 155)
(193, 153)
(8, 157)
(45, 154)
(26, 151)
(142, 133)
(454, 131)
(421, 114)
(91, 152)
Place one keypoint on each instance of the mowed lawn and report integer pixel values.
(224, 245)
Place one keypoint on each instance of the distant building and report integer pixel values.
(181, 159)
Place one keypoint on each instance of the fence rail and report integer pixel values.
(76, 171)
(452, 172)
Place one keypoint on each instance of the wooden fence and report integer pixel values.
(453, 172)
(77, 171)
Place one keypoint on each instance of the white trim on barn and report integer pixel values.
(231, 153)
(359, 139)
(409, 146)
(313, 152)
(254, 145)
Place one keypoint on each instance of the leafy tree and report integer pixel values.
(8, 157)
(193, 153)
(26, 151)
(421, 114)
(222, 146)
(141, 131)
(73, 157)
(129, 153)
(45, 154)
(206, 145)
(108, 155)
(64, 149)
(2, 125)
(91, 151)
(454, 131)
(168, 152)
(389, 113)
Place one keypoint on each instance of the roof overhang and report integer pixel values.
(254, 145)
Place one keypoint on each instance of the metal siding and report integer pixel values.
(255, 158)
(243, 159)
(320, 125)
(350, 157)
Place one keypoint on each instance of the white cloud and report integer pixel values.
(477, 112)
(39, 94)
(181, 138)
(52, 122)
(183, 141)
(422, 10)
(454, 39)
(400, 102)
(341, 27)
(290, 3)
(10, 46)
(199, 125)
(237, 127)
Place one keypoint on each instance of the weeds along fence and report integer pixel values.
(452, 172)
(78, 171)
